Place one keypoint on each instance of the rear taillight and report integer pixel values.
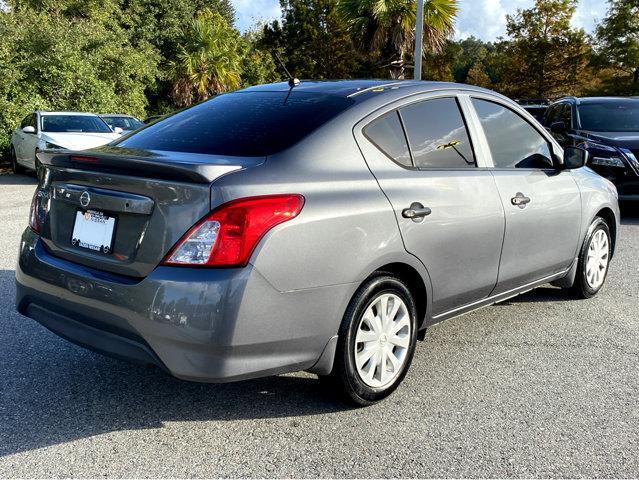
(34, 223)
(228, 235)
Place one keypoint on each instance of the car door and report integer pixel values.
(542, 203)
(18, 139)
(30, 142)
(448, 210)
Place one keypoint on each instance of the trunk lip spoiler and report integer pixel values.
(197, 168)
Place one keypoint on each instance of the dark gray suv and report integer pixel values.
(321, 227)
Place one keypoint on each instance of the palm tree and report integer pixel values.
(387, 27)
(209, 60)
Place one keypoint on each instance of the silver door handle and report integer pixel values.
(520, 200)
(416, 212)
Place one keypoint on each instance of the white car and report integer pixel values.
(57, 130)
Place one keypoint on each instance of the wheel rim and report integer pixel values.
(382, 340)
(597, 260)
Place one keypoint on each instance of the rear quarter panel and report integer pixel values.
(347, 228)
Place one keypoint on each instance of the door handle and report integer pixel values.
(416, 212)
(520, 200)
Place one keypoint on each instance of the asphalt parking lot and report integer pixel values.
(538, 386)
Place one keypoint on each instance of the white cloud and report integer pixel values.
(485, 19)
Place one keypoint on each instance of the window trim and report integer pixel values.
(553, 146)
(412, 100)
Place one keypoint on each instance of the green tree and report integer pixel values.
(545, 56)
(258, 65)
(477, 76)
(209, 59)
(618, 46)
(312, 40)
(54, 61)
(387, 27)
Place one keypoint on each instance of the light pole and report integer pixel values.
(419, 38)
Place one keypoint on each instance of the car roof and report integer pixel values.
(66, 113)
(123, 115)
(358, 89)
(596, 100)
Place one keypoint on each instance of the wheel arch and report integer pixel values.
(416, 285)
(609, 217)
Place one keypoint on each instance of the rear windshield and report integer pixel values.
(251, 124)
(610, 116)
(74, 124)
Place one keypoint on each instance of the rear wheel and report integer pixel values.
(594, 260)
(376, 341)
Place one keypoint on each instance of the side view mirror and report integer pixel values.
(575, 157)
(29, 129)
(558, 127)
(118, 130)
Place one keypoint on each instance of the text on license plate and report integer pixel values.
(93, 230)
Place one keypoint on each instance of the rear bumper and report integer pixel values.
(210, 325)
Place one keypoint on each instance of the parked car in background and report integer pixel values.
(384, 207)
(125, 123)
(535, 106)
(56, 130)
(608, 127)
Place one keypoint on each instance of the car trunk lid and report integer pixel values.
(144, 203)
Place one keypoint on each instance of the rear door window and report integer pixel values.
(387, 134)
(437, 134)
(513, 142)
(251, 124)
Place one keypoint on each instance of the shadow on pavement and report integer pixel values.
(630, 213)
(53, 392)
(18, 179)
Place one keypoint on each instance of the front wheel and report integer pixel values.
(376, 341)
(594, 259)
(15, 166)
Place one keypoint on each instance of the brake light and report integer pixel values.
(34, 223)
(228, 235)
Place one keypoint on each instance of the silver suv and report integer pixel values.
(321, 227)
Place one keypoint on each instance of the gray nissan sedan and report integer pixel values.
(318, 227)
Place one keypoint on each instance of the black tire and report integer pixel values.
(39, 169)
(15, 167)
(582, 288)
(344, 379)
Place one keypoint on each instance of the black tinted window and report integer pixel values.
(241, 124)
(513, 142)
(388, 135)
(437, 134)
(621, 116)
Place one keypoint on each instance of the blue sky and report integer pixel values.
(485, 19)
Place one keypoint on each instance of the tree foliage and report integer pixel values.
(618, 46)
(209, 60)
(119, 56)
(546, 56)
(312, 39)
(387, 27)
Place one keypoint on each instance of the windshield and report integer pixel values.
(74, 124)
(125, 123)
(250, 124)
(620, 116)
